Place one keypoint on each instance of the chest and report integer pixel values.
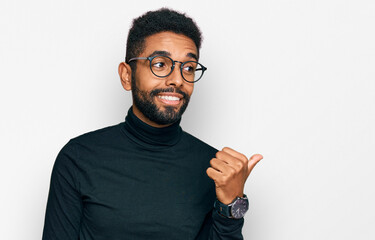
(151, 193)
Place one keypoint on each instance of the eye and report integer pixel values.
(158, 64)
(161, 63)
(189, 67)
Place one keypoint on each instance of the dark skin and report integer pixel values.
(229, 169)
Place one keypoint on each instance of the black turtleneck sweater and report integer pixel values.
(134, 181)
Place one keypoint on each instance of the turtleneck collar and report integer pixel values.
(149, 136)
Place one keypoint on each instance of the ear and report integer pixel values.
(125, 73)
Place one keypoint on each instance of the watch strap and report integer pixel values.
(225, 210)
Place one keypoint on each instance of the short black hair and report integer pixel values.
(161, 20)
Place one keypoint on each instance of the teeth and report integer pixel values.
(171, 98)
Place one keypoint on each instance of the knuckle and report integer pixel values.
(238, 170)
(225, 149)
(213, 161)
(232, 171)
(238, 165)
(243, 157)
(241, 165)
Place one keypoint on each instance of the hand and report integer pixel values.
(230, 170)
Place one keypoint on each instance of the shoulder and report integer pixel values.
(92, 141)
(197, 144)
(99, 135)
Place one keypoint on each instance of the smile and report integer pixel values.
(168, 99)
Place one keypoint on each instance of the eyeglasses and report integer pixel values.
(162, 66)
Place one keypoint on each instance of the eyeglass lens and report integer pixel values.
(162, 66)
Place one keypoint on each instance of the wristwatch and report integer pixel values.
(236, 209)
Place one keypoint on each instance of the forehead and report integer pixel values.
(176, 44)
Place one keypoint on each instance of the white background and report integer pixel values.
(292, 80)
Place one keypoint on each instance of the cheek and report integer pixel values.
(190, 88)
(145, 81)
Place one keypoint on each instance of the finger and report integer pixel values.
(213, 173)
(235, 154)
(228, 158)
(253, 161)
(219, 165)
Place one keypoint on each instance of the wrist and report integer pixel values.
(235, 209)
(230, 199)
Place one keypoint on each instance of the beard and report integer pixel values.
(145, 102)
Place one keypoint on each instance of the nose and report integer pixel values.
(175, 78)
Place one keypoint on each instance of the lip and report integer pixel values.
(171, 94)
(169, 102)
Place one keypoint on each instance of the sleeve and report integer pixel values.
(217, 227)
(64, 205)
(225, 228)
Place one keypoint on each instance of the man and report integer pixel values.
(146, 178)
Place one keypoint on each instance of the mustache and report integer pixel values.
(170, 89)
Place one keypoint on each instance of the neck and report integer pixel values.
(149, 136)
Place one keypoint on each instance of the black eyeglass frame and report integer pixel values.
(172, 68)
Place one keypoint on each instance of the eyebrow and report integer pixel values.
(192, 55)
(165, 53)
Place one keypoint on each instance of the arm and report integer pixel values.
(230, 170)
(216, 227)
(64, 206)
(225, 228)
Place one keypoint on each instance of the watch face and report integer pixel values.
(239, 208)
